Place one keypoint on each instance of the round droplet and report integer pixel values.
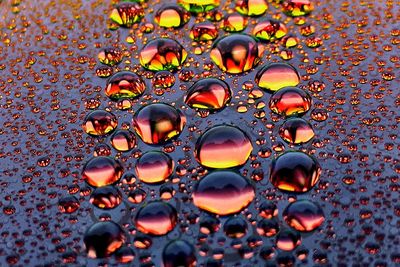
(99, 122)
(303, 215)
(199, 6)
(275, 76)
(270, 30)
(296, 131)
(103, 238)
(123, 140)
(171, 16)
(295, 8)
(163, 79)
(137, 196)
(179, 253)
(295, 171)
(288, 240)
(158, 123)
(223, 193)
(156, 218)
(127, 14)
(102, 171)
(235, 227)
(68, 204)
(209, 225)
(267, 227)
(234, 23)
(210, 94)
(106, 197)
(251, 7)
(110, 56)
(124, 85)
(125, 255)
(290, 101)
(236, 53)
(268, 209)
(223, 146)
(154, 167)
(162, 54)
(204, 31)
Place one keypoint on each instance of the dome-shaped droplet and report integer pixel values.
(163, 79)
(223, 146)
(125, 255)
(234, 23)
(296, 131)
(198, 6)
(235, 227)
(103, 238)
(251, 7)
(276, 76)
(123, 140)
(210, 94)
(288, 239)
(295, 8)
(179, 253)
(99, 122)
(158, 123)
(156, 218)
(295, 171)
(162, 54)
(127, 14)
(303, 215)
(102, 171)
(68, 204)
(290, 101)
(203, 31)
(268, 209)
(110, 56)
(270, 30)
(236, 53)
(171, 16)
(223, 192)
(124, 85)
(154, 167)
(106, 197)
(267, 227)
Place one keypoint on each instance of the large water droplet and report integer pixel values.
(154, 167)
(270, 30)
(198, 6)
(290, 101)
(203, 31)
(171, 16)
(179, 253)
(106, 197)
(303, 215)
(295, 8)
(99, 122)
(123, 140)
(127, 14)
(296, 131)
(102, 171)
(156, 218)
(276, 76)
(251, 7)
(124, 85)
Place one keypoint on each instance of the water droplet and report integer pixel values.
(236, 53)
(125, 255)
(290, 101)
(199, 6)
(156, 218)
(288, 240)
(204, 31)
(268, 210)
(223, 146)
(162, 54)
(106, 197)
(179, 253)
(123, 140)
(223, 193)
(235, 227)
(234, 23)
(295, 171)
(267, 227)
(99, 122)
(303, 215)
(103, 238)
(137, 196)
(154, 167)
(296, 131)
(275, 76)
(127, 14)
(210, 94)
(102, 171)
(110, 56)
(124, 85)
(163, 79)
(295, 8)
(251, 7)
(158, 123)
(270, 30)
(68, 204)
(171, 16)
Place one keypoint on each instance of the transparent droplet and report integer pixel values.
(68, 204)
(125, 255)
(204, 31)
(199, 6)
(303, 215)
(163, 79)
(179, 253)
(123, 140)
(100, 122)
(288, 239)
(234, 23)
(154, 167)
(236, 53)
(156, 218)
(296, 131)
(223, 193)
(270, 30)
(102, 171)
(235, 227)
(110, 56)
(223, 146)
(210, 94)
(137, 196)
(162, 54)
(158, 123)
(275, 76)
(290, 101)
(124, 85)
(295, 8)
(127, 14)
(268, 210)
(267, 227)
(171, 16)
(106, 197)
(251, 7)
(102, 239)
(295, 171)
